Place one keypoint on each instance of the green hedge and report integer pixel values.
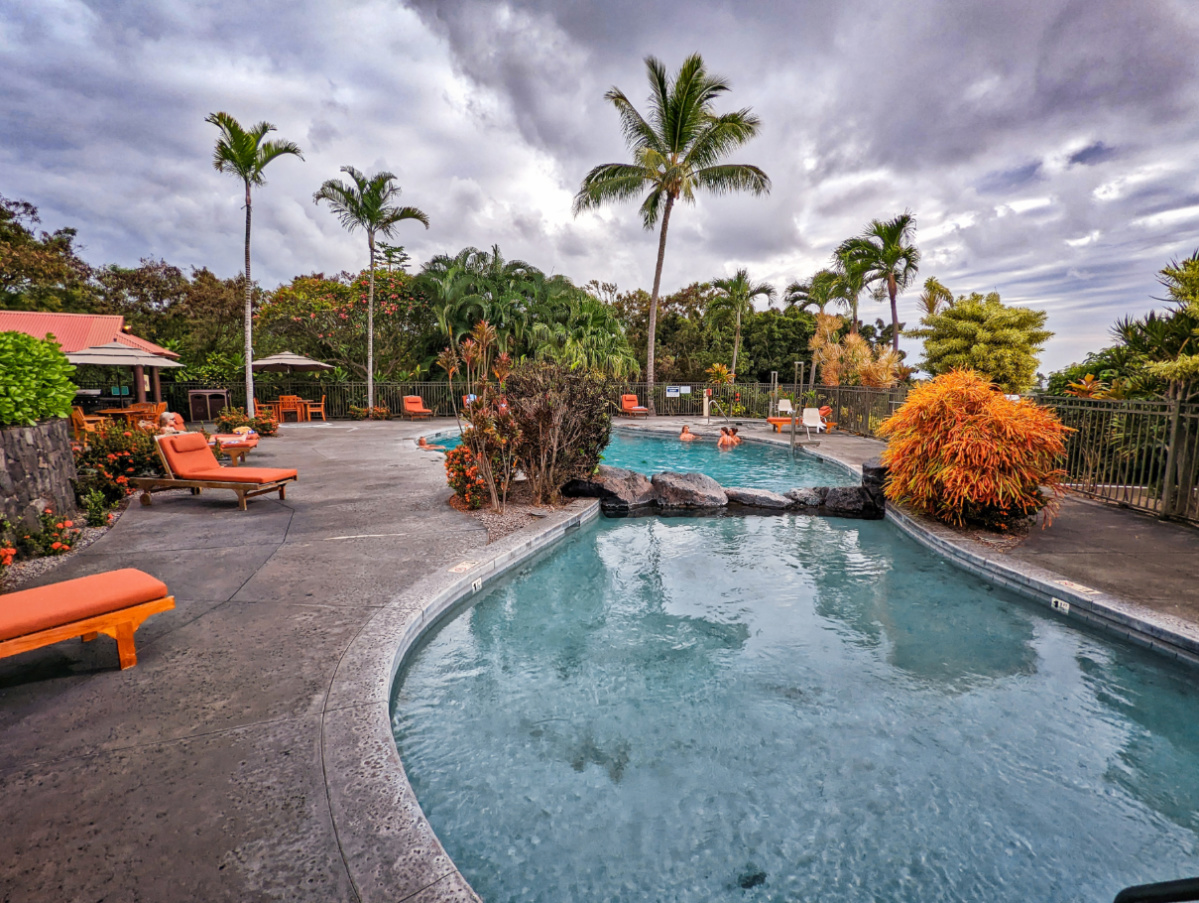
(35, 380)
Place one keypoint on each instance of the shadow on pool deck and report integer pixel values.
(198, 774)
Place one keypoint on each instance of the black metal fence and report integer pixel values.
(1138, 454)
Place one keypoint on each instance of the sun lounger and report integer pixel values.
(235, 445)
(114, 603)
(414, 408)
(812, 421)
(630, 408)
(190, 464)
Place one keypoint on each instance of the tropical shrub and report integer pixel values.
(378, 412)
(35, 380)
(564, 419)
(230, 419)
(983, 334)
(959, 450)
(113, 455)
(55, 536)
(96, 504)
(851, 360)
(463, 476)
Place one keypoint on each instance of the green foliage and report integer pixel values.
(55, 535)
(112, 455)
(563, 418)
(885, 255)
(35, 381)
(39, 272)
(983, 334)
(96, 504)
(230, 419)
(378, 412)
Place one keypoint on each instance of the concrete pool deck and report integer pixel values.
(248, 755)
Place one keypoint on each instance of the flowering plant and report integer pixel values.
(378, 412)
(55, 537)
(113, 455)
(230, 419)
(463, 476)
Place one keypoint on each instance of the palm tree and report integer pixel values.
(676, 151)
(365, 205)
(935, 297)
(885, 254)
(736, 296)
(849, 278)
(817, 292)
(245, 154)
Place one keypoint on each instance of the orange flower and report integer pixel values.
(56, 545)
(69, 523)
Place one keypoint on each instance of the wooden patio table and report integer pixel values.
(131, 415)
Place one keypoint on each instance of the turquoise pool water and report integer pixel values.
(786, 709)
(750, 464)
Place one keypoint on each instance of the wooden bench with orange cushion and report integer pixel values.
(190, 464)
(629, 406)
(779, 422)
(114, 603)
(414, 408)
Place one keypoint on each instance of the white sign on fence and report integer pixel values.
(672, 391)
(684, 390)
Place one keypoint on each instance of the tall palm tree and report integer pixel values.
(886, 255)
(817, 292)
(365, 204)
(935, 297)
(735, 297)
(245, 154)
(678, 150)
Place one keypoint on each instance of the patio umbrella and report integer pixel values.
(115, 354)
(287, 362)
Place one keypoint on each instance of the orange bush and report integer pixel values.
(962, 452)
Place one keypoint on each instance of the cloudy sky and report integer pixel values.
(1046, 147)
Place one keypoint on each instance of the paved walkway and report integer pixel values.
(198, 774)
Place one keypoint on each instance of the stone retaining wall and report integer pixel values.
(36, 470)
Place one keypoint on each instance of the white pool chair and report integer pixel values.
(811, 421)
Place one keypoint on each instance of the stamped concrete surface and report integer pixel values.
(198, 774)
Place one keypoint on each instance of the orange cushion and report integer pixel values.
(31, 610)
(414, 403)
(187, 454)
(244, 474)
(234, 440)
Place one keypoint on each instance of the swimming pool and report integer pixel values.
(791, 708)
(752, 465)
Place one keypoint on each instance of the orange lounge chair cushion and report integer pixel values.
(414, 404)
(220, 474)
(629, 403)
(235, 440)
(30, 610)
(188, 454)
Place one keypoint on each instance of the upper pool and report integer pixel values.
(791, 708)
(753, 465)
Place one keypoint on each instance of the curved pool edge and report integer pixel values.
(389, 848)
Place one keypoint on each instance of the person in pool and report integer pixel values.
(733, 433)
(422, 444)
(726, 440)
(686, 435)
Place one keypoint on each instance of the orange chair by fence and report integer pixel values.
(190, 464)
(414, 408)
(630, 408)
(82, 424)
(292, 404)
(314, 408)
(825, 411)
(113, 603)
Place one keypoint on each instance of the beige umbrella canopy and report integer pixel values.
(115, 354)
(287, 362)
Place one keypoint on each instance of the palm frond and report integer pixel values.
(609, 182)
(723, 178)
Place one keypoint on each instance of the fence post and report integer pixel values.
(1168, 502)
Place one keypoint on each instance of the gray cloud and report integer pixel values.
(1046, 146)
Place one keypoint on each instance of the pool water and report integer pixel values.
(791, 708)
(751, 465)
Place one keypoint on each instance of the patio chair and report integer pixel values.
(82, 424)
(630, 408)
(812, 421)
(113, 603)
(414, 408)
(825, 413)
(294, 404)
(314, 408)
(190, 464)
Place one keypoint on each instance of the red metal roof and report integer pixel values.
(74, 332)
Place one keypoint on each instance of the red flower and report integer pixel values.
(56, 545)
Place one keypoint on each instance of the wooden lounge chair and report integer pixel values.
(82, 424)
(114, 603)
(190, 464)
(235, 445)
(414, 408)
(630, 408)
(779, 422)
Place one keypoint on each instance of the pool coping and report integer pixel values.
(389, 848)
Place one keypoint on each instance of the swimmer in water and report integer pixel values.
(726, 440)
(422, 444)
(686, 435)
(733, 433)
